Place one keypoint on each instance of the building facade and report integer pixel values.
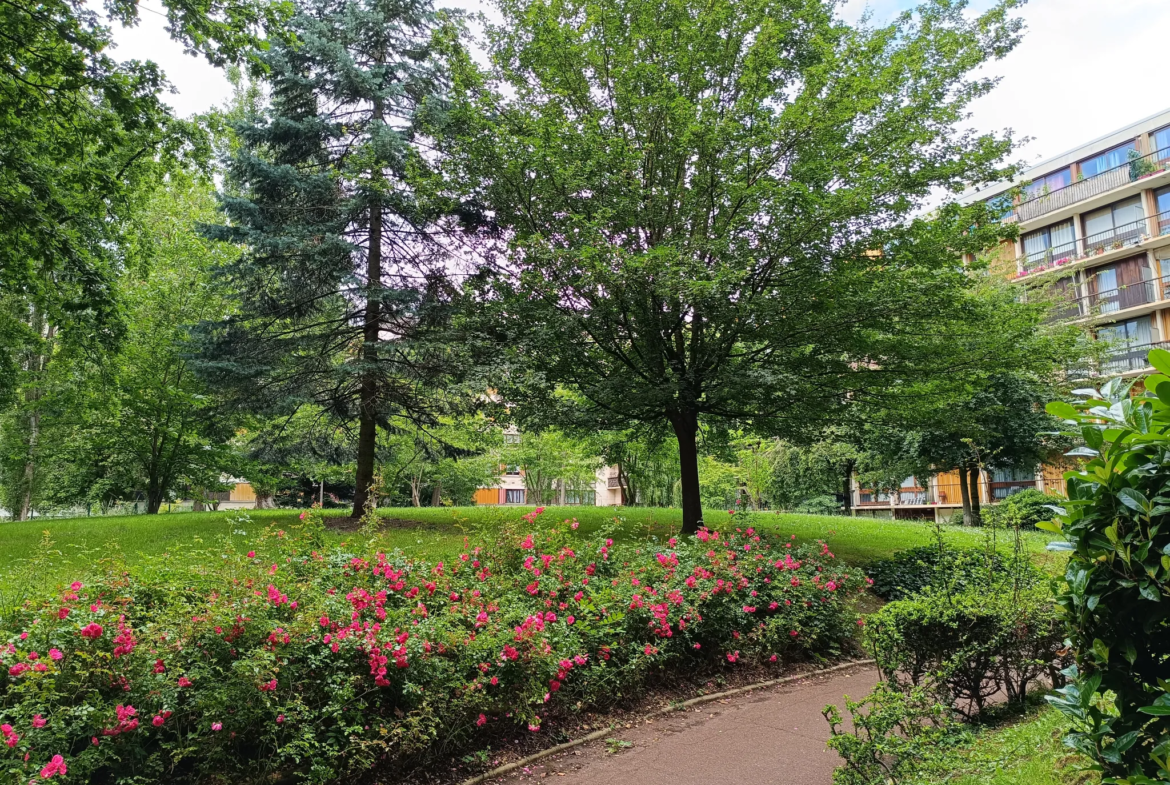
(1094, 228)
(1095, 232)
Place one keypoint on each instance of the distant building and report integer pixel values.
(1095, 228)
(510, 489)
(936, 498)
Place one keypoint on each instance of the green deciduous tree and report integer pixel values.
(701, 210)
(340, 279)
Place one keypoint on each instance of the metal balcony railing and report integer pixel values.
(1131, 357)
(1112, 300)
(1132, 170)
(1124, 236)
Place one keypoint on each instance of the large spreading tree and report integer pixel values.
(704, 210)
(340, 279)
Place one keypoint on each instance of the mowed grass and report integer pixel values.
(1028, 751)
(435, 532)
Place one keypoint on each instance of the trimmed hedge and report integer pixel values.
(909, 572)
(286, 659)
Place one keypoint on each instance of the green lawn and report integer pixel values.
(1024, 752)
(434, 531)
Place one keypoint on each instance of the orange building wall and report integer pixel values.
(487, 496)
(949, 491)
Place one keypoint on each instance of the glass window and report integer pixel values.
(1160, 142)
(1162, 198)
(1051, 241)
(1117, 221)
(1048, 183)
(1110, 159)
(511, 438)
(513, 496)
(1126, 335)
(512, 471)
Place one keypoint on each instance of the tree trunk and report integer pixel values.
(848, 480)
(973, 479)
(154, 496)
(437, 494)
(686, 429)
(415, 489)
(264, 501)
(197, 504)
(965, 493)
(368, 408)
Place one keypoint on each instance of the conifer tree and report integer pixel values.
(340, 281)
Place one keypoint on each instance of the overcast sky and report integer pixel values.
(1085, 68)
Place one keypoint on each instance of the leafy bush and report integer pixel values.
(911, 571)
(1027, 508)
(820, 505)
(894, 734)
(1117, 601)
(287, 659)
(973, 644)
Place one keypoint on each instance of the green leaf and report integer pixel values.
(1160, 359)
(1129, 651)
(1050, 526)
(1133, 499)
(1101, 650)
(1092, 436)
(1064, 411)
(1156, 711)
(1150, 591)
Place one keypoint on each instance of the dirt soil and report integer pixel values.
(347, 524)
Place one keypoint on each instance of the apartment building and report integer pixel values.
(606, 490)
(937, 497)
(1095, 229)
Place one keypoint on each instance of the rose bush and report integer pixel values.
(287, 658)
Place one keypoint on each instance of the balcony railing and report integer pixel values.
(1124, 236)
(1112, 300)
(1131, 357)
(1131, 171)
(1002, 490)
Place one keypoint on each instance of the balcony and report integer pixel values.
(1131, 171)
(1111, 301)
(614, 482)
(1130, 358)
(1103, 244)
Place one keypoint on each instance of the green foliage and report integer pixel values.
(894, 735)
(909, 572)
(820, 505)
(630, 152)
(262, 657)
(974, 644)
(341, 289)
(1027, 508)
(1118, 576)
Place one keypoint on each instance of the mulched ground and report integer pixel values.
(348, 524)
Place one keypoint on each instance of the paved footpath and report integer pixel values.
(770, 737)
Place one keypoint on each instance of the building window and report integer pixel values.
(514, 496)
(1114, 226)
(1162, 199)
(512, 471)
(1005, 482)
(1123, 285)
(1050, 244)
(1160, 141)
(1129, 342)
(1110, 159)
(586, 498)
(1048, 183)
(511, 438)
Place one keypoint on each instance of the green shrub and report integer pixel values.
(973, 644)
(287, 658)
(1028, 508)
(820, 505)
(1117, 602)
(894, 734)
(911, 571)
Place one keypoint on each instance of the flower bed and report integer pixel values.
(292, 659)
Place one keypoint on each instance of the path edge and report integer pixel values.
(597, 734)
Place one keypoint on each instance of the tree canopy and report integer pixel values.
(705, 210)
